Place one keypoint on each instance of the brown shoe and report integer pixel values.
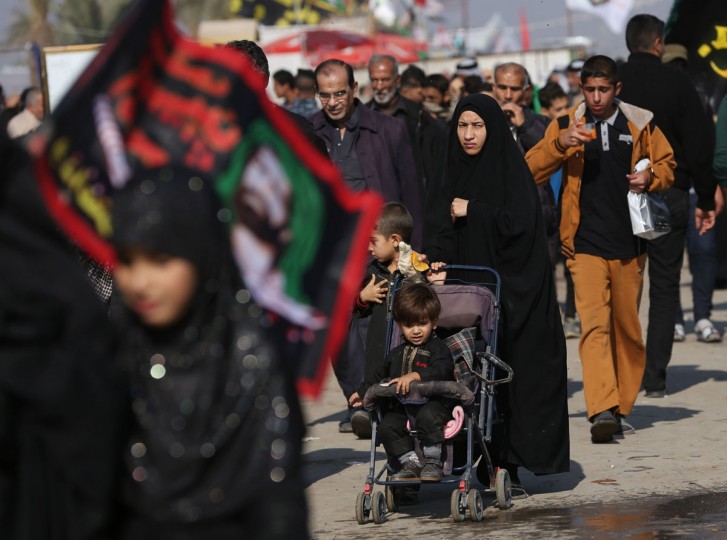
(432, 471)
(410, 472)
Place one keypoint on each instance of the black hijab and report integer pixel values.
(496, 163)
(503, 226)
(215, 413)
(504, 230)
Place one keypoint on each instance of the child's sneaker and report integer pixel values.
(706, 332)
(409, 472)
(432, 471)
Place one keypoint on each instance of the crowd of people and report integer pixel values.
(477, 168)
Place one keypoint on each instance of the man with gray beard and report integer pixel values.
(427, 136)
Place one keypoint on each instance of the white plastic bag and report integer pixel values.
(650, 216)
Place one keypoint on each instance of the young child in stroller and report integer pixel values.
(421, 357)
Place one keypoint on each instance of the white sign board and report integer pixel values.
(61, 67)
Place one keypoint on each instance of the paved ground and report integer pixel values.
(676, 459)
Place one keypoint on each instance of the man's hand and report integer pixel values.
(355, 400)
(514, 113)
(575, 135)
(718, 201)
(639, 181)
(704, 220)
(374, 292)
(459, 208)
(404, 382)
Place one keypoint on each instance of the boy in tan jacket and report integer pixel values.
(598, 145)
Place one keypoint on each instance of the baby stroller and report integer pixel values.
(468, 324)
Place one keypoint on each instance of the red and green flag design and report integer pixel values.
(154, 100)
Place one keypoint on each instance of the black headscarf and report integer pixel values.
(216, 443)
(493, 181)
(504, 230)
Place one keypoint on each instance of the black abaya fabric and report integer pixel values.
(62, 402)
(216, 442)
(504, 229)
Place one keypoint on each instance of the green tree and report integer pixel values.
(88, 21)
(31, 25)
(70, 22)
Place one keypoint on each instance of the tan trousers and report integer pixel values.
(612, 350)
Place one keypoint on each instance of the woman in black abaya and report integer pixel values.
(488, 214)
(216, 439)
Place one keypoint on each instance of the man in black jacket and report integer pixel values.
(511, 82)
(678, 112)
(372, 150)
(427, 136)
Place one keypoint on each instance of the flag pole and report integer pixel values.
(569, 21)
(465, 22)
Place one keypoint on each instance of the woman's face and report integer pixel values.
(472, 132)
(157, 287)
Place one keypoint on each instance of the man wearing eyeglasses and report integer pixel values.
(371, 149)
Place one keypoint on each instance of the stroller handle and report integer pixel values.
(419, 390)
(469, 267)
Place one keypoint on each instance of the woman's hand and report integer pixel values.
(436, 272)
(374, 292)
(404, 382)
(459, 208)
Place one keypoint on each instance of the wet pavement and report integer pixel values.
(693, 516)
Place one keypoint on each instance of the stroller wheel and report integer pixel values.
(503, 489)
(378, 507)
(458, 505)
(477, 508)
(362, 514)
(392, 498)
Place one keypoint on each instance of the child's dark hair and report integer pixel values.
(395, 219)
(416, 302)
(600, 66)
(549, 93)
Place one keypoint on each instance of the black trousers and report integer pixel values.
(430, 420)
(665, 264)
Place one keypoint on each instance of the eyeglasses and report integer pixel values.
(336, 96)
